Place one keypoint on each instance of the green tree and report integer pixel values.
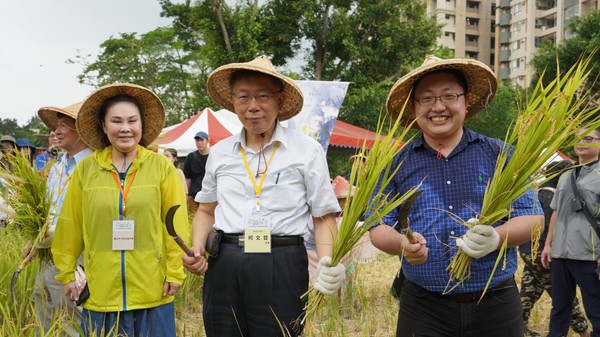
(155, 60)
(368, 43)
(497, 117)
(585, 40)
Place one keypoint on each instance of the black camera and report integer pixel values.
(53, 151)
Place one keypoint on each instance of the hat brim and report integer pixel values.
(152, 112)
(219, 91)
(481, 85)
(49, 114)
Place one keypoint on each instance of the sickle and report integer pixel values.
(403, 216)
(171, 230)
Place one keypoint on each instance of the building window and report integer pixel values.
(449, 34)
(473, 5)
(472, 22)
(472, 38)
(514, 64)
(515, 45)
(450, 19)
(472, 54)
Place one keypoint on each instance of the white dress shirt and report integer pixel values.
(296, 187)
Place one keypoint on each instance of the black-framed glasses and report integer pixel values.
(260, 97)
(588, 139)
(445, 99)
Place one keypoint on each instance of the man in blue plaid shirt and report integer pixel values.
(454, 165)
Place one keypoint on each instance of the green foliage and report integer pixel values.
(368, 43)
(497, 117)
(586, 39)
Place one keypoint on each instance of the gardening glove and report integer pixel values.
(329, 279)
(479, 240)
(46, 240)
(80, 280)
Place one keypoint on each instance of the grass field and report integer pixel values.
(369, 311)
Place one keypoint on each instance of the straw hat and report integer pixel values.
(151, 109)
(481, 83)
(219, 91)
(342, 188)
(49, 114)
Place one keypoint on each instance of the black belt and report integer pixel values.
(474, 296)
(276, 241)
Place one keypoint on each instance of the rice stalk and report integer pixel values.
(26, 196)
(552, 115)
(368, 204)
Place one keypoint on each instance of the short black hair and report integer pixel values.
(460, 77)
(245, 73)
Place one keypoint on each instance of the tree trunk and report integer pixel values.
(217, 4)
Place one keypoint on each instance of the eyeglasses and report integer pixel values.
(260, 97)
(589, 139)
(445, 99)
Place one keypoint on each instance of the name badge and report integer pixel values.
(257, 234)
(123, 234)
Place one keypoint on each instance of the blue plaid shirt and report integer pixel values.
(454, 184)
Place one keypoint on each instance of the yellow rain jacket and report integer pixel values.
(129, 279)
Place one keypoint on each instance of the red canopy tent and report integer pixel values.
(223, 123)
(347, 135)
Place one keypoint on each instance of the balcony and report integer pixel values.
(504, 4)
(505, 19)
(504, 55)
(504, 73)
(504, 37)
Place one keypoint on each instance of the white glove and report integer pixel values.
(80, 279)
(479, 240)
(329, 279)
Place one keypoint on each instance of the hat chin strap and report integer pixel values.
(440, 141)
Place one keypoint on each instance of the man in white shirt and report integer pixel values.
(260, 190)
(48, 292)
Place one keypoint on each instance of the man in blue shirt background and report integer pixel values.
(453, 166)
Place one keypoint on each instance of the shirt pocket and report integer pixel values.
(285, 192)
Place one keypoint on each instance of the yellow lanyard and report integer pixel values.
(257, 188)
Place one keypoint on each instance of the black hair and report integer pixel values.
(245, 73)
(173, 152)
(460, 77)
(109, 103)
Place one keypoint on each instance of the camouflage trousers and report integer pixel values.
(536, 280)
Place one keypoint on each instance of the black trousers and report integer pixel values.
(426, 314)
(255, 294)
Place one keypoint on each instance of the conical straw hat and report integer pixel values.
(49, 114)
(219, 91)
(481, 83)
(152, 112)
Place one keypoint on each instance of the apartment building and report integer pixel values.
(505, 34)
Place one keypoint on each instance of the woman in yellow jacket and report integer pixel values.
(114, 212)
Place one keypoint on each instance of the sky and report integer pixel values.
(37, 37)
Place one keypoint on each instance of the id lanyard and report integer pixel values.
(125, 191)
(257, 188)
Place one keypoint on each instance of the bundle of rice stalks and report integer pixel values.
(369, 177)
(27, 200)
(548, 122)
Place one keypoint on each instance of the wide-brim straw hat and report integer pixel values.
(481, 85)
(152, 112)
(219, 91)
(49, 114)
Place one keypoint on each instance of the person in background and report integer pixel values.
(48, 295)
(535, 279)
(194, 168)
(114, 213)
(572, 247)
(8, 145)
(26, 148)
(51, 152)
(262, 187)
(171, 154)
(452, 165)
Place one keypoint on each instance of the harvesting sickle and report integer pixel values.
(171, 230)
(13, 281)
(403, 216)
